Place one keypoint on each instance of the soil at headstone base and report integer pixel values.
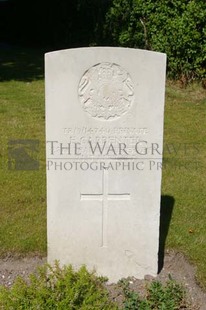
(175, 265)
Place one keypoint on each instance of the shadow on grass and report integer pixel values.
(167, 205)
(21, 64)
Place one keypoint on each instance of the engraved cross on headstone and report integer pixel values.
(105, 197)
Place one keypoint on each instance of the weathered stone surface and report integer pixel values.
(104, 124)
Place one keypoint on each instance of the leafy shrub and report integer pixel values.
(159, 297)
(57, 288)
(177, 28)
(63, 288)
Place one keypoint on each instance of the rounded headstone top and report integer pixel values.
(106, 91)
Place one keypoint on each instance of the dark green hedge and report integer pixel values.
(175, 27)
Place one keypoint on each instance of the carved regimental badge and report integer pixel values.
(106, 91)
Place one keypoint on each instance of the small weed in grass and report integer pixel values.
(57, 288)
(169, 297)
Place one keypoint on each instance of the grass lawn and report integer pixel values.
(23, 193)
(184, 172)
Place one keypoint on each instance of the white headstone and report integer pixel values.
(104, 124)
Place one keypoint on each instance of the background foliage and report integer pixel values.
(175, 27)
(53, 24)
